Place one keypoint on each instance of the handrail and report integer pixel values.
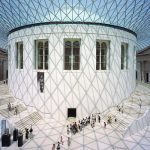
(138, 124)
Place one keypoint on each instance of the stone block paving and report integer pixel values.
(47, 132)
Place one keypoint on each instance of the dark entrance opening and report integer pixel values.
(71, 112)
(147, 77)
(136, 75)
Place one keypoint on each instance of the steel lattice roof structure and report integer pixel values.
(130, 14)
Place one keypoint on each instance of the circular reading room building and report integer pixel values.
(71, 68)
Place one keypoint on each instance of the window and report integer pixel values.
(9, 54)
(134, 56)
(19, 55)
(102, 55)
(124, 56)
(72, 54)
(41, 54)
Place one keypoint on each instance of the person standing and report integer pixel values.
(79, 127)
(16, 111)
(53, 147)
(89, 119)
(61, 140)
(92, 124)
(67, 129)
(92, 117)
(9, 106)
(104, 124)
(71, 128)
(140, 105)
(122, 109)
(99, 119)
(31, 132)
(27, 133)
(69, 141)
(95, 118)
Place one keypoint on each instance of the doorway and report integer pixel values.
(72, 112)
(147, 77)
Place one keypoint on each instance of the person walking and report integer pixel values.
(99, 119)
(58, 146)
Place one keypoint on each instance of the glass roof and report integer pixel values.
(131, 14)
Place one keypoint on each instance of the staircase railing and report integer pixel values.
(138, 124)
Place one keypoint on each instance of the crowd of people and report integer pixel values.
(73, 128)
(76, 127)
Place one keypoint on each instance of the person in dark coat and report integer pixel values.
(31, 132)
(58, 146)
(9, 106)
(16, 111)
(99, 119)
(27, 133)
(68, 129)
(104, 124)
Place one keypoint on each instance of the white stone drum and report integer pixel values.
(78, 67)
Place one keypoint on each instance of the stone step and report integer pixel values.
(120, 125)
(27, 121)
(123, 120)
(7, 114)
(6, 100)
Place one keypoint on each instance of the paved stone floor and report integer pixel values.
(48, 131)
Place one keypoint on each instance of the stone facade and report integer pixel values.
(143, 65)
(3, 65)
(88, 90)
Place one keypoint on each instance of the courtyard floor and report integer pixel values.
(48, 131)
